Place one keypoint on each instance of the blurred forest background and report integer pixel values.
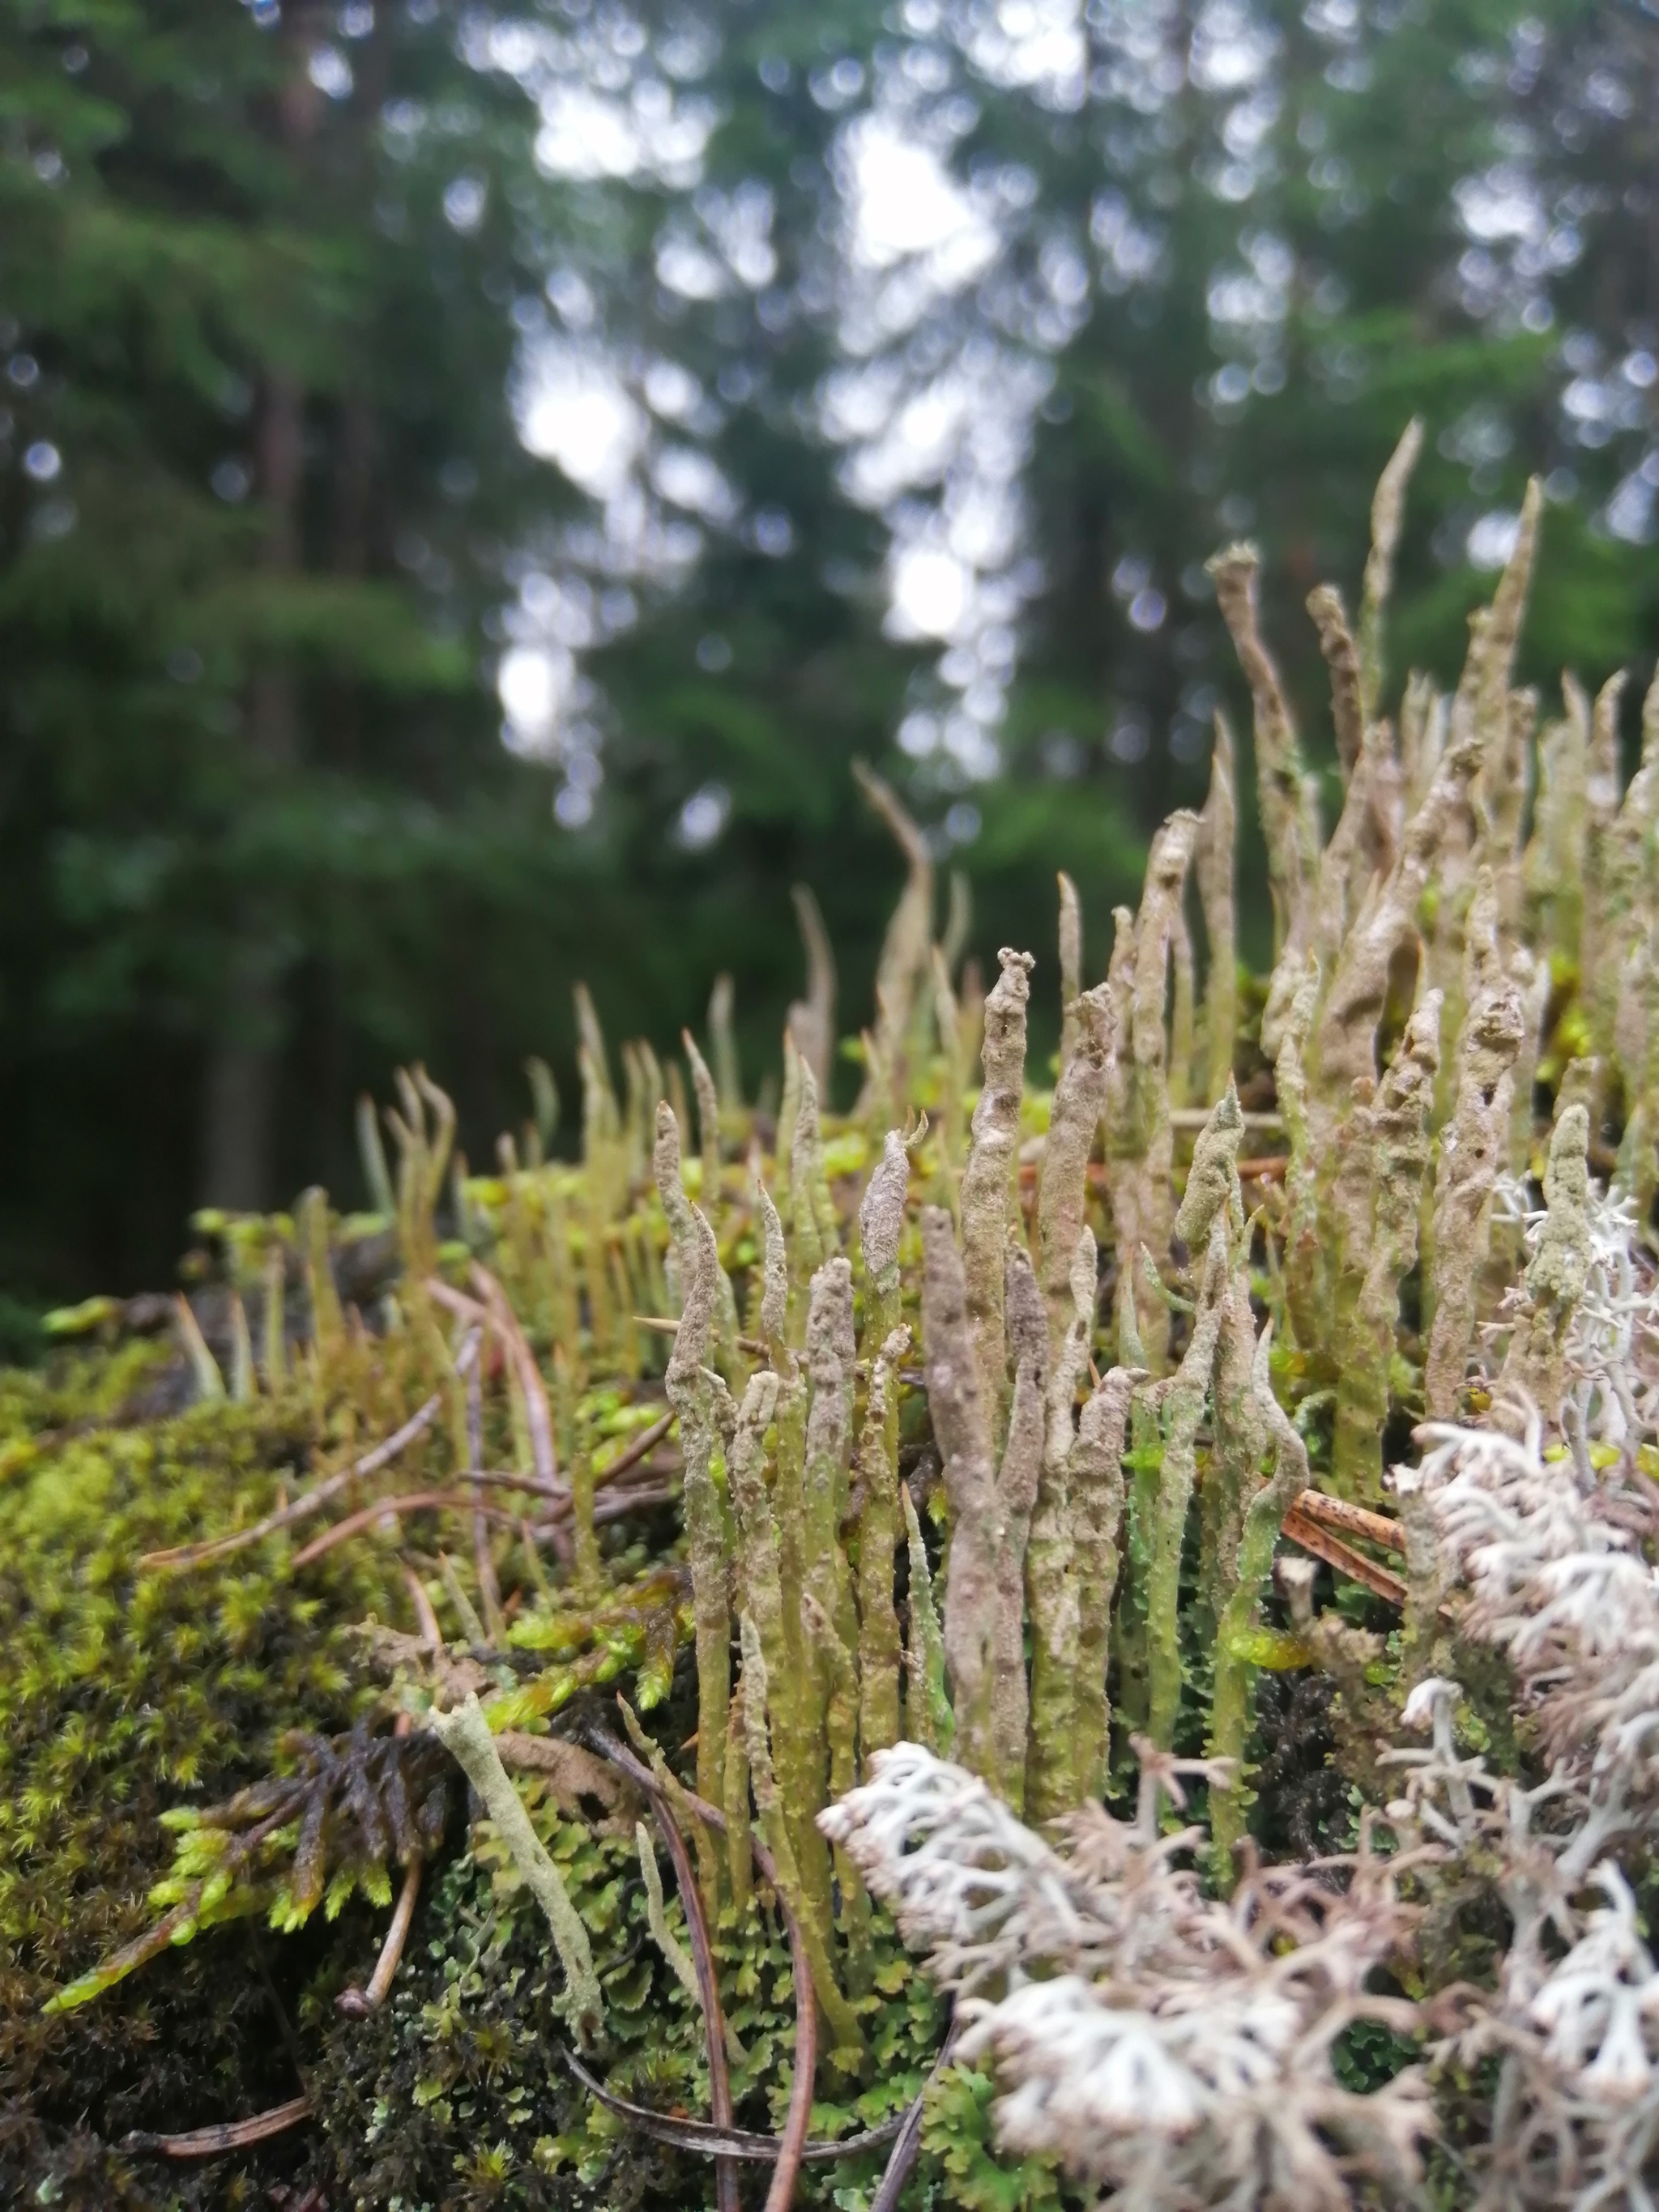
(472, 479)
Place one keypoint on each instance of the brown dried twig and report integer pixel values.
(196, 1555)
(723, 2144)
(1302, 1529)
(645, 1443)
(792, 2142)
(413, 1501)
(714, 2018)
(907, 2147)
(538, 1418)
(1357, 1520)
(232, 2135)
(666, 1325)
(357, 2004)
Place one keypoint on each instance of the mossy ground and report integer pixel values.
(125, 1694)
(122, 1695)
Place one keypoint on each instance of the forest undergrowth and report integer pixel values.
(1071, 1631)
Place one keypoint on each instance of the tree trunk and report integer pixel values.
(240, 1103)
(244, 1056)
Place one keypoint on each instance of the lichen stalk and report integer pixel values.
(1534, 1365)
(1397, 1134)
(814, 1236)
(906, 952)
(881, 1227)
(1473, 1151)
(1073, 1121)
(1211, 1191)
(1639, 1154)
(1600, 948)
(812, 1020)
(772, 1594)
(723, 1041)
(689, 1392)
(1213, 865)
(1553, 866)
(1183, 1011)
(1349, 858)
(1051, 1577)
(961, 1428)
(831, 1358)
(1071, 966)
(674, 1953)
(774, 1832)
(1017, 1480)
(708, 1124)
(840, 1718)
(987, 1179)
(1183, 1411)
(1301, 1239)
(1234, 1670)
(879, 1650)
(788, 1110)
(1231, 1478)
(739, 1852)
(1345, 1038)
(1289, 814)
(465, 1736)
(1095, 1483)
(327, 1318)
(927, 1715)
(1628, 860)
(1139, 1144)
(953, 1082)
(1387, 515)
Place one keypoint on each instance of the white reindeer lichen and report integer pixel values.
(1172, 2048)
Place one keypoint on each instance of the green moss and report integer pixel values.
(124, 1693)
(464, 2053)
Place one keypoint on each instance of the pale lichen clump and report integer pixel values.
(1176, 2049)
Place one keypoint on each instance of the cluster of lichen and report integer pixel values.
(952, 1417)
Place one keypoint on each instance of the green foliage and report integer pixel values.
(120, 1692)
(956, 2131)
(257, 821)
(461, 2055)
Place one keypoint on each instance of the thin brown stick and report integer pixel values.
(633, 1499)
(357, 2004)
(194, 1555)
(516, 1347)
(1357, 1520)
(723, 2143)
(412, 1501)
(646, 1442)
(714, 2018)
(483, 1565)
(424, 1613)
(508, 1478)
(791, 2144)
(1193, 1118)
(1343, 1557)
(458, 1302)
(906, 2148)
(233, 2135)
(666, 1325)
